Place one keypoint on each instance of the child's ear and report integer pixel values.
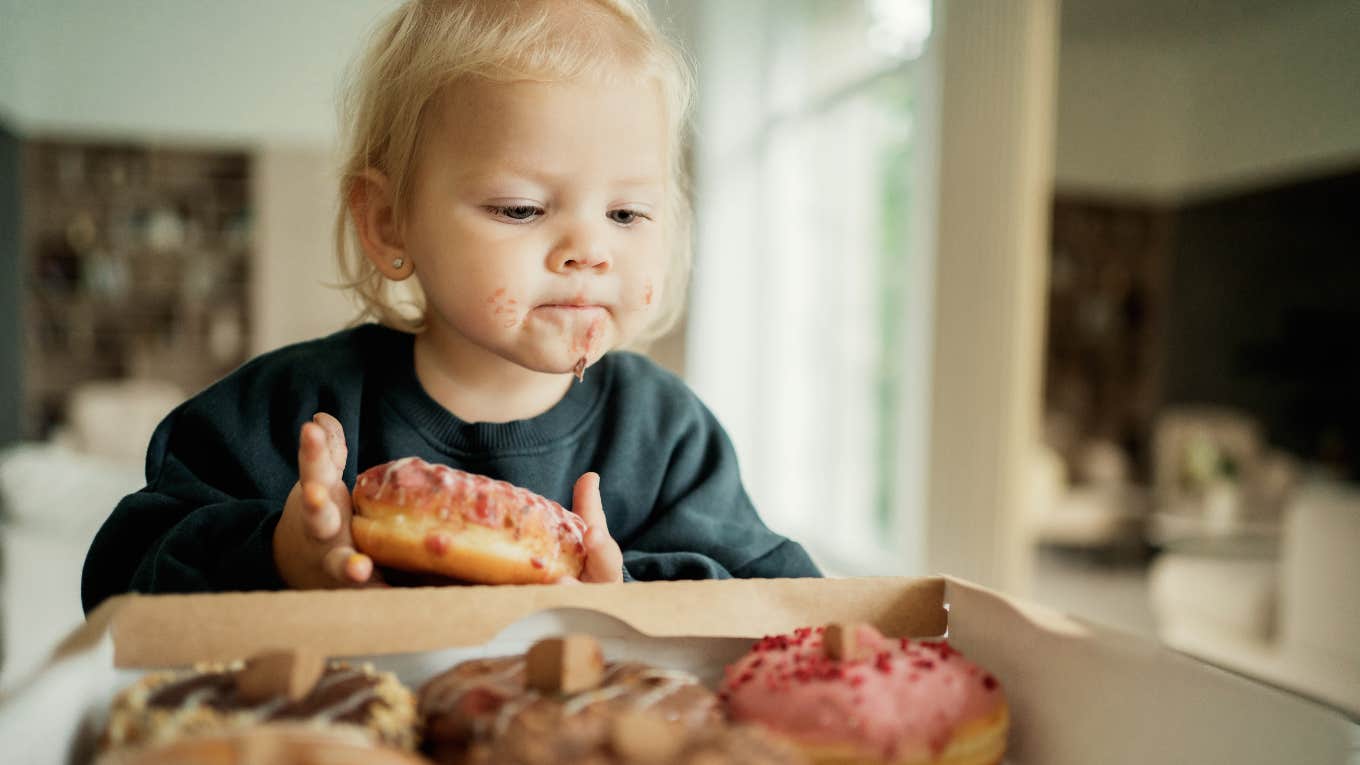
(371, 208)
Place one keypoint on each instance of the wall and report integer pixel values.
(12, 56)
(1165, 115)
(241, 71)
(1121, 118)
(11, 338)
(293, 297)
(1279, 98)
(181, 69)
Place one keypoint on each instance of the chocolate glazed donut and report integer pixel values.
(167, 706)
(419, 517)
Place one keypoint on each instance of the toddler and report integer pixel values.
(512, 211)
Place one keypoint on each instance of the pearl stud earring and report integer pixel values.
(397, 263)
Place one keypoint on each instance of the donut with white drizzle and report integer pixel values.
(164, 707)
(421, 517)
(268, 744)
(477, 708)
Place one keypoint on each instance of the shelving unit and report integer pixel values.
(136, 263)
(1106, 317)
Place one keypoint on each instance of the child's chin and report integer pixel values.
(557, 364)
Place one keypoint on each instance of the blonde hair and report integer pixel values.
(426, 45)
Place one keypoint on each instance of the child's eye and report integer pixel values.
(627, 217)
(516, 213)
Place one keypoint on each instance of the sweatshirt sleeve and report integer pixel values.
(192, 529)
(704, 525)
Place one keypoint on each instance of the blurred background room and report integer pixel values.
(1061, 298)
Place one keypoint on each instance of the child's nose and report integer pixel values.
(579, 251)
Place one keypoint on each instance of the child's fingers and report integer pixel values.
(335, 439)
(585, 501)
(322, 518)
(314, 461)
(346, 565)
(359, 568)
(604, 559)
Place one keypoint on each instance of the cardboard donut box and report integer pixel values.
(1079, 694)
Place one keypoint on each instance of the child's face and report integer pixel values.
(536, 222)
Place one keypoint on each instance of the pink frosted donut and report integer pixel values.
(416, 516)
(899, 701)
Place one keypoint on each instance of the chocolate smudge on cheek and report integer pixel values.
(504, 305)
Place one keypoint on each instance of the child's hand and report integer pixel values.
(312, 544)
(604, 559)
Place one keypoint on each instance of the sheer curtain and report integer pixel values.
(809, 324)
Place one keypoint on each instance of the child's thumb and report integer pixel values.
(335, 439)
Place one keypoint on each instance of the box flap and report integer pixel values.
(88, 635)
(170, 630)
(1061, 673)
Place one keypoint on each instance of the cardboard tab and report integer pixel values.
(645, 738)
(839, 641)
(291, 674)
(568, 664)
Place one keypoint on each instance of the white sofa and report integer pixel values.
(1291, 620)
(53, 497)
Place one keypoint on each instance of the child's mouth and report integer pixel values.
(565, 312)
(572, 321)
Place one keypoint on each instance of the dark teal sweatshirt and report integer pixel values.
(220, 466)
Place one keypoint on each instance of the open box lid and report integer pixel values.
(171, 630)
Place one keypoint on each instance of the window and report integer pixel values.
(810, 304)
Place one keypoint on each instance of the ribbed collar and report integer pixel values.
(564, 420)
